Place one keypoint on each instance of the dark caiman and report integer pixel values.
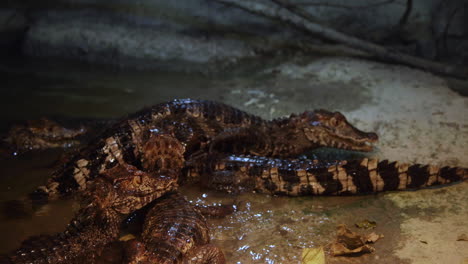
(226, 149)
(106, 203)
(196, 124)
(174, 232)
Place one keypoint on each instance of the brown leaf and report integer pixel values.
(349, 243)
(366, 224)
(338, 249)
(372, 237)
(348, 238)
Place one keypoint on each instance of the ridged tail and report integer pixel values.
(311, 177)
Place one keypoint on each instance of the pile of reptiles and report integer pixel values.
(139, 162)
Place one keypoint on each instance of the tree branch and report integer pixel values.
(370, 5)
(298, 17)
(406, 14)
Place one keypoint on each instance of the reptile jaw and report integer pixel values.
(363, 143)
(324, 139)
(347, 144)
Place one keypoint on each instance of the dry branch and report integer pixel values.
(406, 14)
(286, 12)
(327, 4)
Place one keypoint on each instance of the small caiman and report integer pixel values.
(200, 127)
(174, 232)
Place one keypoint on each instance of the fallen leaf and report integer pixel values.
(348, 238)
(372, 237)
(339, 249)
(366, 224)
(462, 237)
(313, 256)
(349, 243)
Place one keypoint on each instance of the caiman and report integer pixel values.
(226, 149)
(106, 203)
(203, 126)
(174, 232)
(41, 134)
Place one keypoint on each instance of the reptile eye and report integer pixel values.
(137, 180)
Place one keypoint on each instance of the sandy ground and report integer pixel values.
(418, 119)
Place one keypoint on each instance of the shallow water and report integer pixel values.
(44, 88)
(266, 229)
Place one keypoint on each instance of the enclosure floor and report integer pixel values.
(417, 117)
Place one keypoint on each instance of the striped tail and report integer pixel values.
(312, 177)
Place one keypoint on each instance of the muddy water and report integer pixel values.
(266, 229)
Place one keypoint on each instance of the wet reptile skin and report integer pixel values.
(300, 177)
(149, 153)
(106, 203)
(39, 134)
(173, 232)
(195, 124)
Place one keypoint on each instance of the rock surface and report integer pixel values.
(13, 24)
(104, 38)
(144, 33)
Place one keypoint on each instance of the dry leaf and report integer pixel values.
(348, 238)
(339, 249)
(372, 237)
(349, 242)
(313, 256)
(366, 224)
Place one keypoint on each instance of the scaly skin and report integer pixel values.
(194, 124)
(83, 239)
(174, 232)
(311, 177)
(41, 134)
(91, 229)
(144, 156)
(108, 199)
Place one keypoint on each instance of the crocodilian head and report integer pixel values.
(331, 129)
(125, 189)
